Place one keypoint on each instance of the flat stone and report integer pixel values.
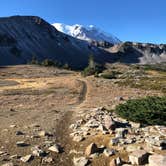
(36, 151)
(109, 152)
(19, 133)
(92, 148)
(80, 161)
(157, 160)
(47, 159)
(139, 157)
(21, 144)
(43, 134)
(55, 148)
(114, 141)
(26, 158)
(78, 138)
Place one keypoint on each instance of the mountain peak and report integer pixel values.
(88, 33)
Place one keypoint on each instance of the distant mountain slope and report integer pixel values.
(22, 37)
(89, 33)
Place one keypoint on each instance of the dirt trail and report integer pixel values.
(62, 129)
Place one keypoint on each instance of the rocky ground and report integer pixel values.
(56, 117)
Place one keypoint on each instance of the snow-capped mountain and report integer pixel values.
(90, 33)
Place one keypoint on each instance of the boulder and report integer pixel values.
(121, 132)
(36, 151)
(91, 149)
(26, 158)
(21, 144)
(139, 157)
(109, 123)
(78, 138)
(114, 141)
(55, 148)
(157, 160)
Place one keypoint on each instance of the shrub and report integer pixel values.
(149, 111)
(48, 62)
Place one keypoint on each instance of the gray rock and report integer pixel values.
(139, 157)
(114, 141)
(19, 133)
(92, 148)
(157, 160)
(109, 123)
(47, 159)
(55, 148)
(26, 158)
(80, 161)
(21, 144)
(36, 151)
(121, 132)
(116, 162)
(109, 152)
(78, 138)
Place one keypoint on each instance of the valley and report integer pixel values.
(40, 107)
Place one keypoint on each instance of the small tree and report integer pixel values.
(92, 68)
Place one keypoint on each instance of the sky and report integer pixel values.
(129, 20)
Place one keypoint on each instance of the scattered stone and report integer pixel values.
(12, 126)
(78, 138)
(55, 148)
(139, 157)
(15, 156)
(19, 133)
(47, 159)
(21, 144)
(36, 151)
(27, 158)
(109, 123)
(132, 148)
(157, 160)
(121, 132)
(81, 161)
(2, 153)
(116, 162)
(114, 141)
(43, 133)
(92, 148)
(8, 164)
(109, 152)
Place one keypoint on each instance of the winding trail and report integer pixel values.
(62, 129)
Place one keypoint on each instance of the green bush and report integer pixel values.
(48, 62)
(149, 111)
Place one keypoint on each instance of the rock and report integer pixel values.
(15, 156)
(81, 161)
(121, 132)
(78, 138)
(157, 160)
(109, 152)
(21, 144)
(114, 141)
(36, 151)
(8, 164)
(27, 158)
(47, 159)
(2, 153)
(92, 123)
(109, 123)
(116, 162)
(43, 133)
(92, 148)
(55, 148)
(12, 126)
(132, 148)
(139, 157)
(19, 133)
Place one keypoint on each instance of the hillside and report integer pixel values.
(25, 37)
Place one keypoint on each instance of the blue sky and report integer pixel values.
(129, 20)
